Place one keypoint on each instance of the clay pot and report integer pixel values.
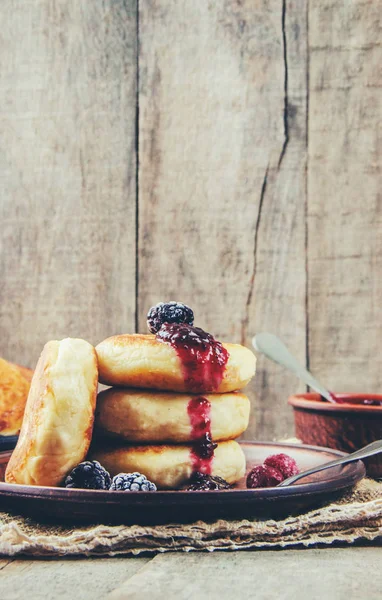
(347, 427)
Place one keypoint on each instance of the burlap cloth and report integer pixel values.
(355, 516)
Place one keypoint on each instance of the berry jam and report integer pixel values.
(370, 402)
(200, 482)
(203, 358)
(199, 410)
(354, 400)
(334, 398)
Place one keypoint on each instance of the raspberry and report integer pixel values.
(89, 475)
(201, 482)
(264, 476)
(168, 312)
(132, 482)
(283, 463)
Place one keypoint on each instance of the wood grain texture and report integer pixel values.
(336, 573)
(222, 144)
(67, 237)
(65, 578)
(4, 562)
(345, 207)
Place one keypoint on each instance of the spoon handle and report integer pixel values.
(369, 450)
(273, 348)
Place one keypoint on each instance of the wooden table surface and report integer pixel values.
(330, 573)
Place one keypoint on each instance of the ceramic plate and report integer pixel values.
(72, 505)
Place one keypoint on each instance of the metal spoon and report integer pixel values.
(369, 450)
(273, 348)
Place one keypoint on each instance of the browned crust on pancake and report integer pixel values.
(126, 339)
(14, 389)
(27, 373)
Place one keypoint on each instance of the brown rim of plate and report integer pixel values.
(352, 472)
(183, 506)
(312, 401)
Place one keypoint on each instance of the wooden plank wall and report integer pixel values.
(68, 166)
(344, 190)
(222, 153)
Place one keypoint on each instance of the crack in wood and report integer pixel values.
(253, 275)
(82, 169)
(136, 317)
(306, 241)
(286, 102)
(349, 48)
(307, 346)
(7, 563)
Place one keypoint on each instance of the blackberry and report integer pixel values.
(88, 475)
(168, 312)
(201, 482)
(132, 482)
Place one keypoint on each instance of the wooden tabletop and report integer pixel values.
(330, 573)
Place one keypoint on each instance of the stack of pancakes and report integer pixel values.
(157, 421)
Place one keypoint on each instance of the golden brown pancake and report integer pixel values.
(169, 467)
(142, 361)
(59, 413)
(14, 389)
(159, 417)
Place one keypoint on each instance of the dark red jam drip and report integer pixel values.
(203, 358)
(334, 398)
(199, 410)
